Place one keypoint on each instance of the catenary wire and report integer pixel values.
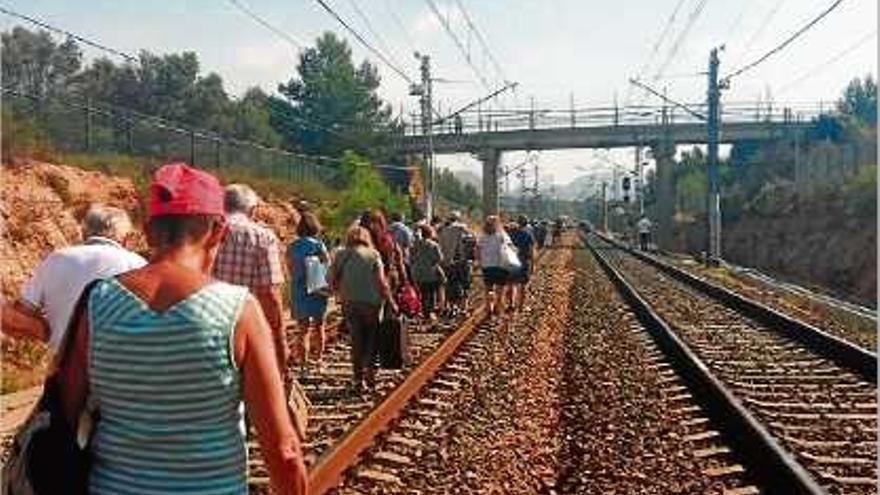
(822, 66)
(461, 48)
(756, 35)
(81, 39)
(378, 37)
(785, 43)
(366, 44)
(481, 39)
(682, 36)
(266, 24)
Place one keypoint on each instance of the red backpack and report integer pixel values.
(408, 301)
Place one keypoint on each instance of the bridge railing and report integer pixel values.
(72, 125)
(478, 121)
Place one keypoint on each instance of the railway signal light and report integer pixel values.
(626, 183)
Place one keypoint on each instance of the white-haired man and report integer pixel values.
(251, 256)
(47, 301)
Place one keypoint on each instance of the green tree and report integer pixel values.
(34, 64)
(455, 193)
(333, 106)
(859, 101)
(366, 191)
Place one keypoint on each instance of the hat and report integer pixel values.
(179, 189)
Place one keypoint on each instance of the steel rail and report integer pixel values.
(844, 353)
(774, 465)
(329, 469)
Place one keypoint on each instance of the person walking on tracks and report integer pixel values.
(358, 277)
(168, 354)
(525, 246)
(497, 258)
(458, 245)
(644, 226)
(427, 271)
(308, 257)
(44, 309)
(251, 256)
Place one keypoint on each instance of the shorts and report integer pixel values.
(495, 275)
(521, 275)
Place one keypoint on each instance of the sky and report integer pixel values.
(558, 51)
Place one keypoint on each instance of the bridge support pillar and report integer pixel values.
(664, 154)
(491, 158)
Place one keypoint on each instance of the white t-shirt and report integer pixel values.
(490, 248)
(60, 279)
(644, 226)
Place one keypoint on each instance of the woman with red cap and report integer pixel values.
(168, 354)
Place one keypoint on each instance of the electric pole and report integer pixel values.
(604, 207)
(638, 185)
(713, 123)
(426, 104)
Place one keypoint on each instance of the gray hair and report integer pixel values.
(106, 221)
(240, 198)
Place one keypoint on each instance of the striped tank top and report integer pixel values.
(168, 393)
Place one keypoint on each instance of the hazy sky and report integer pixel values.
(553, 48)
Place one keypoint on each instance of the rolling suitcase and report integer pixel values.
(393, 344)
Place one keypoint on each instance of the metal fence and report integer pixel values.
(479, 120)
(74, 125)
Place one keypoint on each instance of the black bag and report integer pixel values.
(45, 457)
(393, 343)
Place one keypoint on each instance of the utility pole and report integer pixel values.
(426, 104)
(638, 185)
(604, 206)
(713, 124)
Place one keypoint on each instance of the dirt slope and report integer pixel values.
(41, 209)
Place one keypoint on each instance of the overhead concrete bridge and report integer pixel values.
(488, 135)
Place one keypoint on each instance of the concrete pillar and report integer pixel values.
(664, 154)
(491, 158)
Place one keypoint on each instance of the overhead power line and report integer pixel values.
(369, 25)
(682, 35)
(657, 44)
(824, 65)
(785, 43)
(461, 48)
(364, 42)
(667, 99)
(761, 28)
(81, 39)
(399, 23)
(266, 24)
(654, 50)
(481, 39)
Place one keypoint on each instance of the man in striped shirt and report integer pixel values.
(251, 256)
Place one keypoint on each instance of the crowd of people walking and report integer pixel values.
(161, 355)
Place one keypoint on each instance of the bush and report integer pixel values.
(366, 190)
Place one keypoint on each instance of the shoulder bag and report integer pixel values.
(45, 457)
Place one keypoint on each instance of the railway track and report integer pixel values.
(801, 393)
(619, 417)
(661, 389)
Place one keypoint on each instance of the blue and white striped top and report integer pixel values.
(168, 392)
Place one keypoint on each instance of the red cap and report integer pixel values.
(179, 189)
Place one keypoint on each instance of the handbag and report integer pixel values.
(509, 258)
(45, 457)
(316, 276)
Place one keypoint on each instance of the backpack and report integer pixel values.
(408, 301)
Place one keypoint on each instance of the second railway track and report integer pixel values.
(813, 404)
